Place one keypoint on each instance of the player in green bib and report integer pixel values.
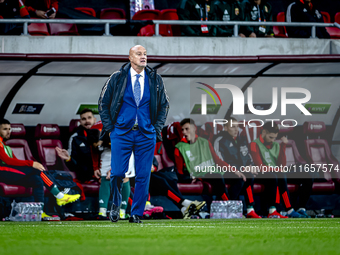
(195, 158)
(268, 155)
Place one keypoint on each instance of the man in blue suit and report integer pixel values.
(133, 107)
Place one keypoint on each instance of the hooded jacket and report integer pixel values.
(111, 99)
(299, 11)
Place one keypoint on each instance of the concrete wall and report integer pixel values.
(167, 46)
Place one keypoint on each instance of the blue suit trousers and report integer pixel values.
(143, 149)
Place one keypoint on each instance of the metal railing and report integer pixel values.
(107, 22)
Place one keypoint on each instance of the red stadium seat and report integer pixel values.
(112, 13)
(74, 123)
(194, 188)
(326, 17)
(47, 136)
(63, 29)
(280, 31)
(148, 30)
(1, 17)
(318, 150)
(293, 156)
(38, 29)
(337, 18)
(252, 131)
(87, 10)
(147, 15)
(208, 130)
(18, 144)
(169, 30)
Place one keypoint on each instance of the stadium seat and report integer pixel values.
(326, 17)
(169, 30)
(318, 150)
(337, 18)
(112, 13)
(74, 123)
(334, 32)
(63, 29)
(47, 136)
(1, 17)
(280, 31)
(208, 130)
(292, 153)
(18, 144)
(148, 30)
(252, 131)
(38, 29)
(87, 10)
(147, 15)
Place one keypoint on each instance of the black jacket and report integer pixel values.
(191, 10)
(234, 152)
(231, 10)
(299, 12)
(79, 149)
(265, 15)
(111, 99)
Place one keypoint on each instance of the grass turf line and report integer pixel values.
(257, 236)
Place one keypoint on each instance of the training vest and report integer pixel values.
(197, 156)
(269, 156)
(8, 151)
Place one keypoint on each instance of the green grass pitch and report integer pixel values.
(246, 236)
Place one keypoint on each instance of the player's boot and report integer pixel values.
(45, 217)
(198, 206)
(253, 215)
(67, 199)
(275, 214)
(190, 210)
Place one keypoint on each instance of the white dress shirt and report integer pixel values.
(141, 81)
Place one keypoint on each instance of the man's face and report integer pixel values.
(232, 130)
(257, 2)
(138, 57)
(87, 120)
(189, 131)
(5, 131)
(269, 137)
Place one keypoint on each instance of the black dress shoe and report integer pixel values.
(135, 219)
(114, 213)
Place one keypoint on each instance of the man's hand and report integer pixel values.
(99, 143)
(40, 14)
(241, 35)
(97, 173)
(152, 168)
(108, 175)
(38, 166)
(52, 16)
(269, 36)
(253, 35)
(62, 153)
(284, 139)
(241, 175)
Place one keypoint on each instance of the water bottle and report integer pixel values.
(26, 211)
(213, 210)
(224, 210)
(219, 209)
(16, 212)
